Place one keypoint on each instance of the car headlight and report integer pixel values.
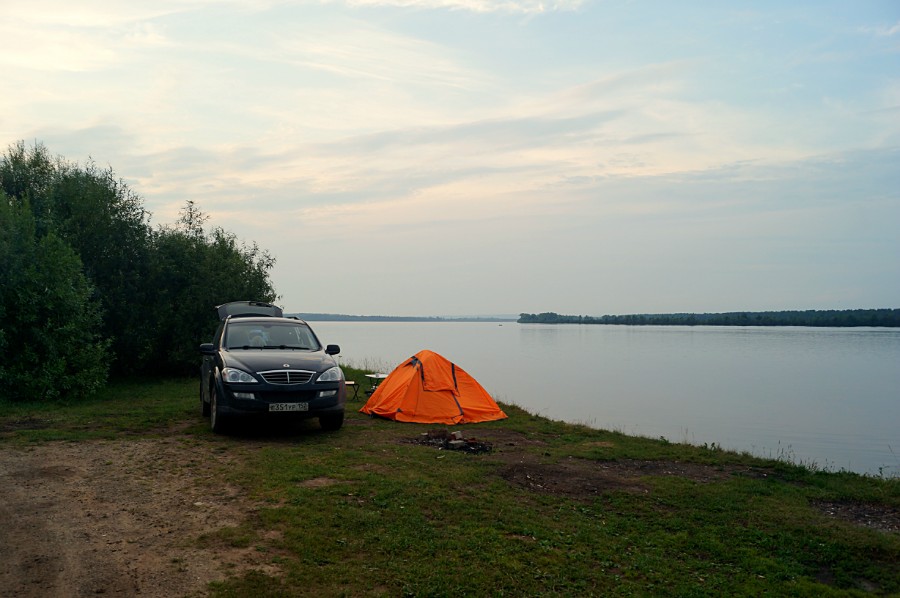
(235, 376)
(331, 375)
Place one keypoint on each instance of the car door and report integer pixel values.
(208, 364)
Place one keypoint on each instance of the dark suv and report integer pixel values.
(261, 363)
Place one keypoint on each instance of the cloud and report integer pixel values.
(49, 49)
(527, 7)
(85, 14)
(356, 50)
(491, 135)
(62, 36)
(883, 30)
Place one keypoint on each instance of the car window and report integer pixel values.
(273, 335)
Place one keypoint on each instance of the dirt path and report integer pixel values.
(115, 518)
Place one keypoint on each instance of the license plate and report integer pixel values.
(288, 406)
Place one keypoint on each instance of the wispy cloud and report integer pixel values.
(356, 50)
(478, 6)
(86, 14)
(54, 36)
(883, 30)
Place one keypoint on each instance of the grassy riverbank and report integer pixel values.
(551, 509)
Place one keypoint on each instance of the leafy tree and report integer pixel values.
(155, 289)
(49, 338)
(194, 272)
(105, 223)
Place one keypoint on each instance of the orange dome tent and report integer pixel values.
(429, 389)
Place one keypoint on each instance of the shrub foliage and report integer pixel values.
(50, 338)
(91, 288)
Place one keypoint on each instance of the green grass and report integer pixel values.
(366, 511)
(134, 407)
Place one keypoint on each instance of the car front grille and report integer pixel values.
(287, 376)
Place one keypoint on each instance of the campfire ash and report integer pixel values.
(453, 441)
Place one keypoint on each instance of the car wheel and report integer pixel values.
(333, 422)
(204, 406)
(216, 419)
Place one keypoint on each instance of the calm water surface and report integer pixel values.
(828, 397)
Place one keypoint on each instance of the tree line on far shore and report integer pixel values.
(822, 318)
(319, 317)
(89, 289)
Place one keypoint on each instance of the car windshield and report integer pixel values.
(270, 335)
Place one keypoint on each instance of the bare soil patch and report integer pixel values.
(586, 479)
(116, 518)
(878, 517)
(581, 478)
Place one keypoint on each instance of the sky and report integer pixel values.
(478, 157)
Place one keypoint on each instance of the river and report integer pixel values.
(824, 397)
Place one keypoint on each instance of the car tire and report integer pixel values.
(333, 422)
(204, 406)
(216, 420)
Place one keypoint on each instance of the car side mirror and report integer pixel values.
(333, 349)
(207, 349)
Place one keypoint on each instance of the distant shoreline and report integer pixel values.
(885, 318)
(830, 318)
(315, 317)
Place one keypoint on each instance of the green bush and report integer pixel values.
(154, 290)
(50, 319)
